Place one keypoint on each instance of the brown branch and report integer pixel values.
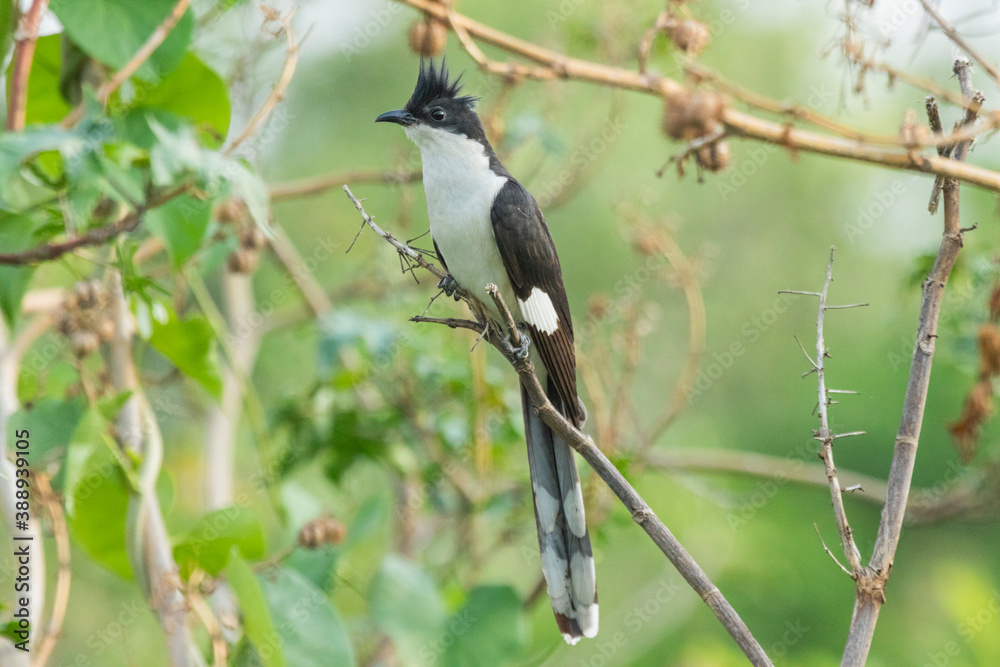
(313, 292)
(152, 43)
(308, 187)
(960, 42)
(60, 531)
(278, 92)
(584, 445)
(871, 585)
(24, 53)
(556, 65)
(128, 223)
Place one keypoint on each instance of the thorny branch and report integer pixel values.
(870, 585)
(584, 445)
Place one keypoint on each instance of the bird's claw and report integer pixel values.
(517, 352)
(449, 285)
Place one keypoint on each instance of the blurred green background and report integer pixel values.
(360, 398)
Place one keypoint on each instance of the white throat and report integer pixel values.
(460, 189)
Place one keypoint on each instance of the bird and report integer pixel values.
(488, 229)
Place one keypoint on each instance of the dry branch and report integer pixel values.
(584, 445)
(24, 53)
(552, 65)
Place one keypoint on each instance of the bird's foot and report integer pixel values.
(517, 352)
(450, 286)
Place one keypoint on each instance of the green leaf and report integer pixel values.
(51, 423)
(45, 104)
(181, 223)
(6, 25)
(192, 91)
(100, 504)
(257, 622)
(312, 632)
(16, 234)
(112, 31)
(210, 543)
(489, 629)
(405, 604)
(189, 344)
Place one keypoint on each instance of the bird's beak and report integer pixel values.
(399, 116)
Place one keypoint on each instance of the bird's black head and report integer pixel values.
(436, 103)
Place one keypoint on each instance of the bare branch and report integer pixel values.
(308, 187)
(24, 53)
(954, 36)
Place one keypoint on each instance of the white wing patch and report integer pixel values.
(539, 312)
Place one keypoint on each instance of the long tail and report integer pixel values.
(567, 559)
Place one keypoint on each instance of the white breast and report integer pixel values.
(460, 189)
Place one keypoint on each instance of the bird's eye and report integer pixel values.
(438, 114)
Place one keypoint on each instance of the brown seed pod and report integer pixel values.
(105, 330)
(715, 156)
(989, 349)
(689, 36)
(231, 211)
(995, 303)
(428, 37)
(84, 342)
(690, 115)
(251, 237)
(243, 260)
(321, 531)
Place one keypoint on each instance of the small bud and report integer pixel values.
(428, 38)
(251, 237)
(321, 531)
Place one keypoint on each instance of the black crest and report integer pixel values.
(433, 85)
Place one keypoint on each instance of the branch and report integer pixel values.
(61, 532)
(960, 42)
(308, 187)
(24, 53)
(555, 65)
(278, 92)
(152, 43)
(825, 435)
(871, 585)
(128, 223)
(584, 445)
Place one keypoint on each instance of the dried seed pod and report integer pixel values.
(646, 243)
(243, 260)
(994, 304)
(231, 211)
(251, 237)
(691, 115)
(428, 37)
(989, 349)
(321, 531)
(715, 156)
(689, 36)
(598, 306)
(105, 330)
(84, 342)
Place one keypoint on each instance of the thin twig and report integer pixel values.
(152, 43)
(64, 577)
(960, 42)
(286, 252)
(278, 92)
(20, 69)
(308, 187)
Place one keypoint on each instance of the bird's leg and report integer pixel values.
(450, 286)
(519, 352)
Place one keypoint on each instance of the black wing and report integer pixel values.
(530, 259)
